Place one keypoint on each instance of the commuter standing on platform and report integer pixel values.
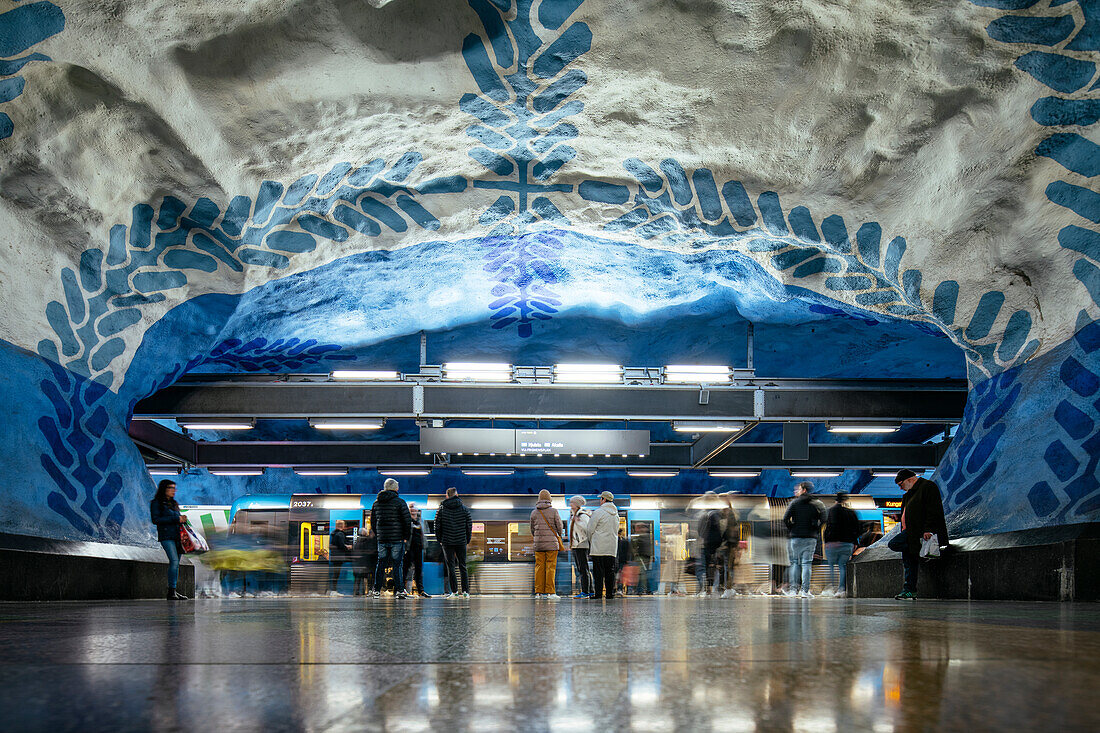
(710, 539)
(414, 553)
(803, 519)
(730, 547)
(392, 524)
(643, 551)
(165, 513)
(624, 553)
(841, 535)
(339, 552)
(578, 543)
(454, 530)
(546, 529)
(366, 559)
(921, 518)
(603, 545)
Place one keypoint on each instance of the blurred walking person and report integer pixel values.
(454, 530)
(803, 519)
(643, 553)
(841, 534)
(578, 543)
(366, 559)
(339, 552)
(546, 529)
(392, 524)
(710, 539)
(603, 545)
(624, 554)
(414, 553)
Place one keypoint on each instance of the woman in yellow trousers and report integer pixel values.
(546, 529)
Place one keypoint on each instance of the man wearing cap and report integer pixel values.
(603, 544)
(921, 517)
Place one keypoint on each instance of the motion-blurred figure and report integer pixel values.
(578, 543)
(454, 530)
(803, 519)
(339, 552)
(366, 559)
(841, 534)
(709, 530)
(729, 548)
(643, 553)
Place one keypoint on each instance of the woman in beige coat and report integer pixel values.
(546, 529)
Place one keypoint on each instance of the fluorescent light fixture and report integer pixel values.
(885, 474)
(815, 474)
(645, 504)
(688, 374)
(164, 472)
(707, 426)
(733, 474)
(227, 423)
(483, 372)
(652, 474)
(863, 427)
(570, 474)
(236, 471)
(491, 504)
(364, 374)
(321, 471)
(347, 423)
(406, 472)
(588, 373)
(488, 471)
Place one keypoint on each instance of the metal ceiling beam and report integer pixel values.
(408, 454)
(162, 441)
(775, 400)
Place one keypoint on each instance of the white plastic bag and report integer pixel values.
(930, 547)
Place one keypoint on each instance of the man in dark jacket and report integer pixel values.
(710, 539)
(803, 519)
(842, 532)
(392, 524)
(339, 552)
(454, 530)
(414, 553)
(643, 552)
(921, 517)
(623, 555)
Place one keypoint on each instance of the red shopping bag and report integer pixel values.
(192, 541)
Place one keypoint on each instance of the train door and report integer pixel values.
(643, 536)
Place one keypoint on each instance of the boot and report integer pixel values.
(172, 595)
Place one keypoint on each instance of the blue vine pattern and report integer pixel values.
(21, 28)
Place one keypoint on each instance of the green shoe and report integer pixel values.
(906, 595)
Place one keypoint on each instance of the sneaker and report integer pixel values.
(828, 593)
(806, 594)
(906, 595)
(701, 594)
(465, 595)
(789, 593)
(181, 597)
(582, 595)
(539, 596)
(375, 594)
(553, 597)
(729, 593)
(422, 594)
(402, 594)
(841, 594)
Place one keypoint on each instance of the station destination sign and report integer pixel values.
(501, 441)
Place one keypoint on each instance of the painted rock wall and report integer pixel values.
(881, 185)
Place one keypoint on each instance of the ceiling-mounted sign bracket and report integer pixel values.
(418, 400)
(758, 404)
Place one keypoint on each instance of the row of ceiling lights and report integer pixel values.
(550, 472)
(376, 423)
(559, 373)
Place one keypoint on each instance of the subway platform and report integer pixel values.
(500, 663)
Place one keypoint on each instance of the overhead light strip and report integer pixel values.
(733, 474)
(321, 423)
(405, 472)
(223, 424)
(570, 474)
(365, 374)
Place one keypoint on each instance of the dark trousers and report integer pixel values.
(414, 560)
(910, 561)
(580, 562)
(603, 567)
(455, 555)
(335, 567)
(364, 576)
(390, 554)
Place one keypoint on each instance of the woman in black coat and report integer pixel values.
(165, 514)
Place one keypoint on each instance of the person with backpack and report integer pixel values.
(546, 529)
(454, 530)
(841, 534)
(165, 513)
(803, 519)
(392, 524)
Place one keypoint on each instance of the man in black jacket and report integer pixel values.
(392, 524)
(339, 552)
(803, 519)
(709, 530)
(414, 553)
(842, 531)
(454, 530)
(921, 517)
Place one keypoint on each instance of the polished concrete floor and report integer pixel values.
(486, 664)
